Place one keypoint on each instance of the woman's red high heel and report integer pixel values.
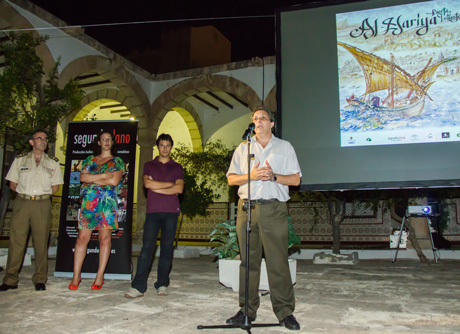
(97, 286)
(74, 286)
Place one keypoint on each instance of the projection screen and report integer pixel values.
(369, 93)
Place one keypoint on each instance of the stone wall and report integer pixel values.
(363, 224)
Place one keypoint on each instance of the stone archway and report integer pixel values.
(194, 126)
(129, 93)
(177, 95)
(13, 18)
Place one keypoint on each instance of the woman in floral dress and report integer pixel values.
(100, 176)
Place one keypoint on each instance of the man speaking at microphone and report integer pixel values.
(273, 169)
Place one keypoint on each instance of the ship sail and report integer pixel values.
(379, 72)
(424, 77)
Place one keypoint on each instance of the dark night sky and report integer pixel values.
(249, 37)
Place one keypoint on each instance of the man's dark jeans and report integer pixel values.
(154, 222)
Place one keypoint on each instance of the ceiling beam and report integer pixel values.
(96, 83)
(87, 76)
(238, 99)
(111, 106)
(205, 102)
(219, 99)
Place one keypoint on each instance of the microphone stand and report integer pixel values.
(246, 325)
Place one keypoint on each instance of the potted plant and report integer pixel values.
(228, 253)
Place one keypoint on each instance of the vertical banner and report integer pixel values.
(80, 144)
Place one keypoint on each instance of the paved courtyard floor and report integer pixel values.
(372, 297)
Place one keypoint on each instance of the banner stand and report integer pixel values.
(80, 143)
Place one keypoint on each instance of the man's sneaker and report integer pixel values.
(162, 291)
(133, 293)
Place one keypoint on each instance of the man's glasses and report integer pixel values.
(262, 118)
(41, 139)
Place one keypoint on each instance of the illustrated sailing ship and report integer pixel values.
(405, 93)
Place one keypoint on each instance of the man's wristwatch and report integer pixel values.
(274, 177)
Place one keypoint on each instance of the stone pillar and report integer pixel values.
(145, 155)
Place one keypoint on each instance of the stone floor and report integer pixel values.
(373, 296)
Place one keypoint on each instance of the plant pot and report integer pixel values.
(229, 273)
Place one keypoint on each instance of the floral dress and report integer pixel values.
(99, 203)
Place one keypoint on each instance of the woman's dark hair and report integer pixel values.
(165, 137)
(97, 147)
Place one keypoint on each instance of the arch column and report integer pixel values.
(270, 101)
(146, 145)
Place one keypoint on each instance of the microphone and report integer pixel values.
(248, 131)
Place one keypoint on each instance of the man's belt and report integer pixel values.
(34, 198)
(262, 201)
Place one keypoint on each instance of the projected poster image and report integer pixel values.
(399, 74)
